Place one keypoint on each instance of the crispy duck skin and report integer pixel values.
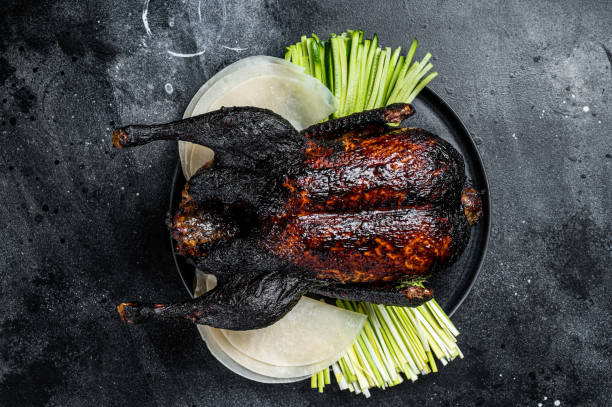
(347, 208)
(395, 169)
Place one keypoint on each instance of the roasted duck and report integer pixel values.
(350, 208)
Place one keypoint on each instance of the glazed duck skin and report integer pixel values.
(348, 208)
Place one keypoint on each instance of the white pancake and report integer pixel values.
(311, 337)
(260, 81)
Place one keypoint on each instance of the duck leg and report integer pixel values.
(235, 133)
(411, 296)
(370, 119)
(240, 301)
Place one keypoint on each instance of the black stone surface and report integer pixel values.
(82, 224)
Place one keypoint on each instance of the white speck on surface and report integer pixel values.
(557, 403)
(514, 136)
(500, 375)
(137, 193)
(585, 109)
(546, 398)
(528, 281)
(181, 55)
(169, 89)
(599, 121)
(123, 188)
(523, 221)
(539, 404)
(171, 22)
(145, 21)
(515, 294)
(573, 96)
(564, 102)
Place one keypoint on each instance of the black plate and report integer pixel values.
(452, 286)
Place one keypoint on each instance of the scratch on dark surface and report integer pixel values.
(609, 55)
(145, 21)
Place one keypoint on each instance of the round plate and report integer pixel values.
(452, 286)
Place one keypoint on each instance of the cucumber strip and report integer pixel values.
(401, 79)
(298, 47)
(305, 58)
(294, 55)
(363, 56)
(335, 57)
(353, 74)
(316, 59)
(377, 78)
(396, 73)
(311, 61)
(420, 86)
(391, 71)
(365, 76)
(425, 59)
(416, 78)
(404, 85)
(383, 79)
(321, 51)
(288, 54)
(329, 65)
(357, 79)
(347, 50)
(411, 51)
(343, 73)
(320, 381)
(375, 41)
(304, 46)
(372, 74)
(373, 46)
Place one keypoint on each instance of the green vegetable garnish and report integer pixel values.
(359, 73)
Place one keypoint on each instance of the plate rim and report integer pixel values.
(486, 200)
(486, 197)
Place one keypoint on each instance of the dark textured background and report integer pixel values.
(82, 224)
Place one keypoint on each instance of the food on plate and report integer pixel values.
(357, 208)
(346, 208)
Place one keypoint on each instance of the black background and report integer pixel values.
(83, 225)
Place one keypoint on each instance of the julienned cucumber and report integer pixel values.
(394, 340)
(360, 73)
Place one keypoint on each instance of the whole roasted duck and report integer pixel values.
(350, 208)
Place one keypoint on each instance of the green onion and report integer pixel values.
(359, 73)
(394, 340)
